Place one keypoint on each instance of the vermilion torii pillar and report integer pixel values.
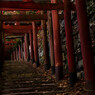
(19, 52)
(25, 52)
(26, 47)
(45, 45)
(1, 46)
(14, 52)
(22, 48)
(4, 45)
(13, 55)
(50, 30)
(69, 42)
(35, 45)
(88, 59)
(57, 44)
(31, 46)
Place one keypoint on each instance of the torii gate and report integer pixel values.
(87, 55)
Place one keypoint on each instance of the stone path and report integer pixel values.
(19, 78)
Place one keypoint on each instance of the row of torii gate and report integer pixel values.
(54, 36)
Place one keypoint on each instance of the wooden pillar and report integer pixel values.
(88, 59)
(4, 45)
(22, 48)
(69, 42)
(26, 49)
(45, 45)
(35, 45)
(19, 52)
(31, 46)
(26, 46)
(14, 53)
(51, 44)
(1, 46)
(11, 56)
(25, 53)
(57, 44)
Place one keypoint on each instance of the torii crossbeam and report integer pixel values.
(20, 5)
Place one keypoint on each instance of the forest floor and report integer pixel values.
(78, 89)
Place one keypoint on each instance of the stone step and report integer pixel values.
(23, 79)
(28, 82)
(32, 89)
(28, 86)
(39, 93)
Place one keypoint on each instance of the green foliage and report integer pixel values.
(40, 46)
(18, 43)
(11, 12)
(15, 45)
(91, 10)
(7, 39)
(30, 12)
(17, 12)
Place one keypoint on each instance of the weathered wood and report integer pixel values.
(45, 45)
(35, 44)
(27, 18)
(1, 46)
(18, 35)
(31, 46)
(14, 37)
(23, 17)
(14, 52)
(16, 31)
(19, 52)
(57, 44)
(19, 27)
(10, 42)
(69, 43)
(26, 47)
(20, 5)
(86, 48)
(51, 44)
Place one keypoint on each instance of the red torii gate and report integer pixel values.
(29, 18)
(18, 32)
(20, 5)
(22, 28)
(84, 35)
(10, 42)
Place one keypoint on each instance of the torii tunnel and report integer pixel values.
(46, 19)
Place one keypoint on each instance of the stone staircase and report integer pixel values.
(20, 78)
